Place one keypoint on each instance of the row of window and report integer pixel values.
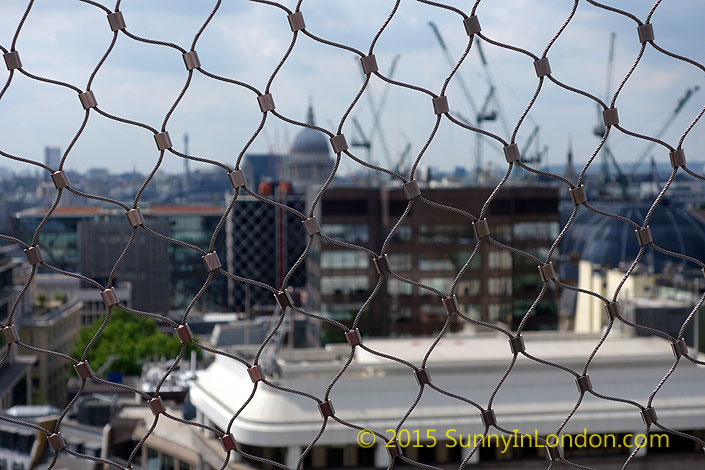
(445, 234)
(161, 461)
(347, 311)
(337, 285)
(400, 262)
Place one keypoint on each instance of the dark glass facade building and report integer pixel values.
(109, 232)
(263, 243)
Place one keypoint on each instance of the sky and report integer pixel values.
(64, 40)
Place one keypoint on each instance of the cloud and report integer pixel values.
(245, 41)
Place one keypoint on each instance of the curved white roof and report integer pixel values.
(376, 392)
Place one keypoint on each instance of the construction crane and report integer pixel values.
(403, 155)
(540, 151)
(679, 107)
(491, 109)
(654, 172)
(490, 82)
(621, 179)
(401, 166)
(600, 129)
(481, 114)
(458, 78)
(360, 140)
(376, 107)
(492, 143)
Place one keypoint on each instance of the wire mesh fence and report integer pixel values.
(437, 104)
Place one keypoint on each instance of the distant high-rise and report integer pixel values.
(569, 169)
(182, 275)
(52, 157)
(100, 243)
(262, 243)
(263, 167)
(187, 172)
(15, 373)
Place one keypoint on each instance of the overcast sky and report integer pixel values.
(65, 39)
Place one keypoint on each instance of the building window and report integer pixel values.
(341, 312)
(435, 262)
(403, 234)
(400, 314)
(344, 284)
(471, 311)
(499, 286)
(469, 288)
(350, 233)
(446, 234)
(453, 261)
(502, 232)
(535, 230)
(335, 207)
(397, 287)
(498, 312)
(334, 457)
(168, 462)
(152, 458)
(401, 262)
(433, 309)
(439, 283)
(525, 261)
(344, 259)
(527, 283)
(499, 260)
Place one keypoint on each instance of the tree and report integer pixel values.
(132, 338)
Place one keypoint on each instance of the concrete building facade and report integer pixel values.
(15, 373)
(52, 328)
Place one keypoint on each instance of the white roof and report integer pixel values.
(376, 392)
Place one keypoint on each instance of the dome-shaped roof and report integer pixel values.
(607, 241)
(310, 144)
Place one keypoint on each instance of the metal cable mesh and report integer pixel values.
(437, 103)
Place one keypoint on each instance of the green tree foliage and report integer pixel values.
(132, 338)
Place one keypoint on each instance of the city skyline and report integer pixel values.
(317, 307)
(140, 80)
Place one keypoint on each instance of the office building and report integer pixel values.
(53, 326)
(146, 265)
(52, 157)
(15, 373)
(431, 246)
(263, 167)
(58, 286)
(263, 243)
(58, 237)
(194, 224)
